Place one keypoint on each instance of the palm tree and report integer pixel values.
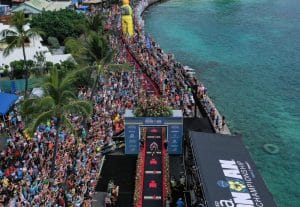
(100, 53)
(17, 36)
(95, 23)
(59, 101)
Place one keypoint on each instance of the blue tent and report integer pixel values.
(6, 101)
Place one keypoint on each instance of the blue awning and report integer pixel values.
(6, 101)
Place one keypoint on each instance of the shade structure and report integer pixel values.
(228, 175)
(6, 101)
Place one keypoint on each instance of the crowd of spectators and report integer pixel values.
(25, 163)
(171, 77)
(25, 166)
(161, 68)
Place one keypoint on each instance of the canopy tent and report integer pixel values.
(229, 176)
(39, 92)
(6, 101)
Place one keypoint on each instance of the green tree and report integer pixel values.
(17, 36)
(18, 68)
(59, 101)
(76, 48)
(60, 24)
(98, 50)
(95, 23)
(40, 58)
(67, 66)
(53, 42)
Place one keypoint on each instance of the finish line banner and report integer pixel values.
(174, 131)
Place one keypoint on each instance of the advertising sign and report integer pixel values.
(132, 145)
(174, 133)
(175, 139)
(229, 175)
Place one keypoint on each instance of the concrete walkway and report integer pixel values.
(225, 129)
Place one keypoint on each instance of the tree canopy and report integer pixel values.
(60, 24)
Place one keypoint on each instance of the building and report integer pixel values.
(37, 6)
(33, 47)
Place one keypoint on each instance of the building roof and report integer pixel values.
(37, 6)
(93, 1)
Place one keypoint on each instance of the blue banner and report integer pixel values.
(175, 133)
(132, 131)
(132, 144)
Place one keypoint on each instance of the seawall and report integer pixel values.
(206, 105)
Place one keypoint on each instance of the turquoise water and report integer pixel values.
(248, 55)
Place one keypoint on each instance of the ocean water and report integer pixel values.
(248, 55)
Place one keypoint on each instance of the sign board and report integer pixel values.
(229, 175)
(174, 131)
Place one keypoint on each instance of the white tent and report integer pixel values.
(39, 92)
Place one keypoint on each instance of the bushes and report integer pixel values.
(53, 42)
(76, 49)
(17, 69)
(65, 67)
(4, 71)
(60, 24)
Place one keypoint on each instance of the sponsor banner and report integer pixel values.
(154, 121)
(174, 132)
(239, 180)
(132, 145)
(230, 177)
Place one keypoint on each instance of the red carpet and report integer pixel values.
(153, 170)
(153, 193)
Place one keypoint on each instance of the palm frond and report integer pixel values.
(28, 106)
(19, 20)
(108, 57)
(67, 82)
(68, 95)
(95, 23)
(67, 123)
(83, 107)
(52, 91)
(13, 42)
(41, 118)
(45, 102)
(33, 33)
(97, 46)
(54, 77)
